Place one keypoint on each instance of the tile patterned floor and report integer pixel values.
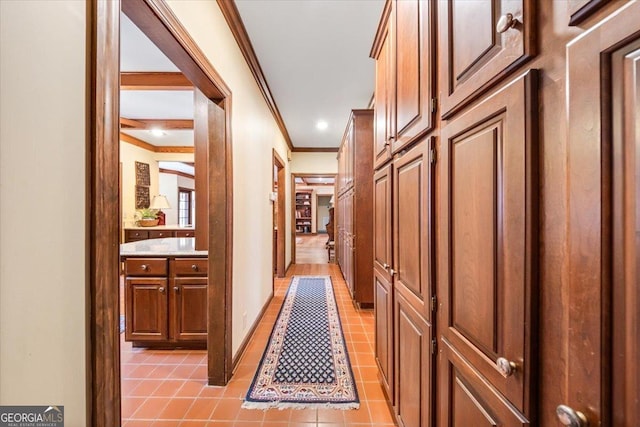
(168, 388)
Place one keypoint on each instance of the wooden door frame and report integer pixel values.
(156, 19)
(293, 203)
(281, 204)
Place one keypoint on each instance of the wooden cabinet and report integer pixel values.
(480, 43)
(166, 302)
(355, 232)
(303, 212)
(405, 56)
(413, 366)
(383, 311)
(137, 234)
(489, 161)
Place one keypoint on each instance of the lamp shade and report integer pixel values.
(160, 202)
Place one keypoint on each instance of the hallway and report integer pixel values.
(311, 249)
(167, 388)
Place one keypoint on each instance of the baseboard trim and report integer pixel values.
(247, 338)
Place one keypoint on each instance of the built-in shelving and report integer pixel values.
(303, 212)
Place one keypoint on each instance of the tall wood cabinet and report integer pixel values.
(354, 226)
(505, 212)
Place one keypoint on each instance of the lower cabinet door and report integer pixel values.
(413, 366)
(471, 401)
(189, 308)
(146, 309)
(383, 306)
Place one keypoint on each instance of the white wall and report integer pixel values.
(314, 162)
(168, 185)
(255, 135)
(43, 288)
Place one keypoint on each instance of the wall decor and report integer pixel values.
(142, 197)
(143, 177)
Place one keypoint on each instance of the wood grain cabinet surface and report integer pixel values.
(355, 204)
(166, 302)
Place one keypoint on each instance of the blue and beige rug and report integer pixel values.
(305, 364)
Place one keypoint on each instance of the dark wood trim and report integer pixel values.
(176, 43)
(314, 149)
(232, 15)
(281, 240)
(586, 10)
(381, 33)
(174, 149)
(164, 124)
(154, 81)
(157, 21)
(252, 330)
(179, 173)
(103, 152)
(155, 148)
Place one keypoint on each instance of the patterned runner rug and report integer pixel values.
(305, 364)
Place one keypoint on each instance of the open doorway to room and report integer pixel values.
(279, 237)
(312, 215)
(211, 157)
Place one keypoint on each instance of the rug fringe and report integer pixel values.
(299, 405)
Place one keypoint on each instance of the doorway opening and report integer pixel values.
(312, 198)
(212, 159)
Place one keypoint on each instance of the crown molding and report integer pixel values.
(315, 149)
(232, 15)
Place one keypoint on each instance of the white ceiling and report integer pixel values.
(315, 57)
(177, 166)
(314, 54)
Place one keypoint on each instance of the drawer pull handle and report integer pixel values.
(569, 417)
(505, 22)
(161, 289)
(144, 267)
(506, 367)
(194, 267)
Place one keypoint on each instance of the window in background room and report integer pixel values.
(185, 206)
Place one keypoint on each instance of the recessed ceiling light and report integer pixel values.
(157, 132)
(322, 125)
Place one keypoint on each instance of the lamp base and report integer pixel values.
(161, 218)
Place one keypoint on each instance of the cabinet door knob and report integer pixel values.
(176, 288)
(385, 266)
(505, 22)
(194, 267)
(506, 367)
(569, 417)
(144, 267)
(161, 289)
(392, 272)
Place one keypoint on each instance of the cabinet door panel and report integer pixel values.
(146, 310)
(384, 91)
(189, 308)
(413, 366)
(413, 222)
(473, 54)
(471, 401)
(414, 56)
(383, 308)
(490, 163)
(382, 220)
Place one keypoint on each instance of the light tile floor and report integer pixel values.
(168, 388)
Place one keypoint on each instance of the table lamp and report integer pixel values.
(160, 202)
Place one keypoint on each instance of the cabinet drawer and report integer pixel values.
(191, 266)
(134, 235)
(145, 267)
(185, 233)
(160, 234)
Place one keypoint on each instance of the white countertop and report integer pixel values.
(170, 246)
(162, 227)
